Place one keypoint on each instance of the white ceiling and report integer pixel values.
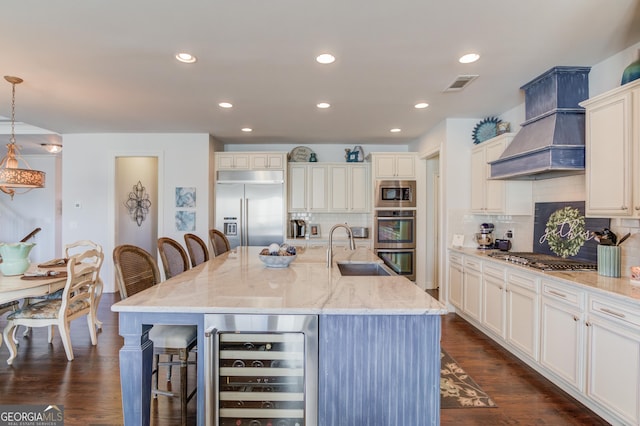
(108, 66)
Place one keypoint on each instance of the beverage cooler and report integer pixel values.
(261, 370)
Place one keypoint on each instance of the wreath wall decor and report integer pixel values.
(138, 203)
(565, 232)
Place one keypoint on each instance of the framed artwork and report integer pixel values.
(185, 196)
(185, 221)
(314, 230)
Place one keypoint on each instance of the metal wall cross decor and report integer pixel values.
(138, 203)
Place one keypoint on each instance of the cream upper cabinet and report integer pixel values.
(488, 196)
(329, 187)
(232, 161)
(349, 186)
(318, 188)
(268, 160)
(394, 166)
(297, 184)
(251, 160)
(612, 152)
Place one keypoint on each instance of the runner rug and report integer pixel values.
(457, 389)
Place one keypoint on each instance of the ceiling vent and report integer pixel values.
(460, 83)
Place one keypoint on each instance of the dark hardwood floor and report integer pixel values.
(89, 387)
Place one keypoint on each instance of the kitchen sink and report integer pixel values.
(364, 269)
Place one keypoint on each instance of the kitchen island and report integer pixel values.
(378, 336)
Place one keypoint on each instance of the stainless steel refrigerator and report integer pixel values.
(249, 207)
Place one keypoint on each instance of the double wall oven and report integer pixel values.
(395, 240)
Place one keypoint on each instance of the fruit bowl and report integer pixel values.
(277, 261)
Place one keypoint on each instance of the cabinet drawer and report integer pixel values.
(615, 311)
(455, 258)
(564, 294)
(528, 282)
(473, 264)
(493, 271)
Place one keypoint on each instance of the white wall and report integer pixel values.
(88, 177)
(38, 208)
(129, 172)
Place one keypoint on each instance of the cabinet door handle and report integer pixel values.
(575, 318)
(614, 313)
(637, 207)
(556, 293)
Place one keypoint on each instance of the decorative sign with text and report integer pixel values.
(560, 229)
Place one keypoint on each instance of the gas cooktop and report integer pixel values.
(544, 262)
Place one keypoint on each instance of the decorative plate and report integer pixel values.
(485, 130)
(300, 154)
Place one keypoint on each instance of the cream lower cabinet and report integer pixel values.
(585, 342)
(472, 288)
(612, 152)
(523, 313)
(456, 276)
(494, 299)
(562, 332)
(613, 357)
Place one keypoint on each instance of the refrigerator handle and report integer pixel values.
(246, 222)
(241, 222)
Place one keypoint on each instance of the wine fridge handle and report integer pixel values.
(210, 375)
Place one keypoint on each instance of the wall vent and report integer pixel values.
(460, 83)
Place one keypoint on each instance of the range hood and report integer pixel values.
(551, 140)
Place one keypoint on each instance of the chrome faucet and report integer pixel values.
(352, 245)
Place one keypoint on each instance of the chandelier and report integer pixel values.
(11, 176)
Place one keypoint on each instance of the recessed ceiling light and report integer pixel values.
(247, 129)
(225, 105)
(421, 105)
(326, 58)
(323, 105)
(53, 148)
(395, 130)
(469, 58)
(187, 58)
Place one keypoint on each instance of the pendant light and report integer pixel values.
(11, 176)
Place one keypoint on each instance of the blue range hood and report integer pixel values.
(551, 140)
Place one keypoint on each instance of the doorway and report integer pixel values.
(136, 206)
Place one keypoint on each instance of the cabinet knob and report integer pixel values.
(637, 208)
(575, 318)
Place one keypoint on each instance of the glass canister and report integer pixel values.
(15, 258)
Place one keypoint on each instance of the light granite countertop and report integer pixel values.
(238, 282)
(617, 287)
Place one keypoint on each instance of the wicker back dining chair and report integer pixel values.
(198, 252)
(173, 256)
(77, 299)
(219, 242)
(76, 248)
(136, 270)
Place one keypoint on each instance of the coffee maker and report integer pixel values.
(484, 238)
(297, 228)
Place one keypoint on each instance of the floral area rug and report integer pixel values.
(457, 388)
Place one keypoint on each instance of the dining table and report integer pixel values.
(31, 285)
(17, 287)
